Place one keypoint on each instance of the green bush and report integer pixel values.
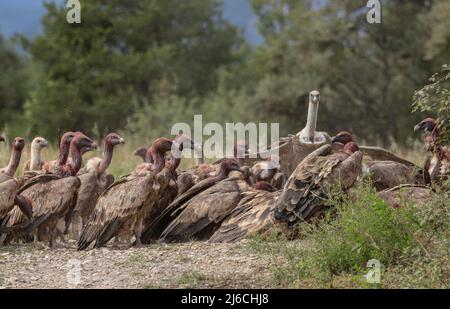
(411, 243)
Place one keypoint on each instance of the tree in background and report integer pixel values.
(367, 73)
(15, 83)
(124, 54)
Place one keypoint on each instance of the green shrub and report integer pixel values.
(411, 243)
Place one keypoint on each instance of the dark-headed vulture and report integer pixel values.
(437, 167)
(64, 145)
(317, 173)
(53, 196)
(198, 211)
(121, 210)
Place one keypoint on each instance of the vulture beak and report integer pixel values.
(336, 139)
(94, 145)
(121, 140)
(44, 144)
(417, 127)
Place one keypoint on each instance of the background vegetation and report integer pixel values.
(138, 66)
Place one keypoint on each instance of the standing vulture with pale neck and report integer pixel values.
(437, 167)
(303, 194)
(94, 181)
(120, 210)
(199, 211)
(54, 196)
(9, 185)
(384, 174)
(35, 163)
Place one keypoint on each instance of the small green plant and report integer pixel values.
(411, 243)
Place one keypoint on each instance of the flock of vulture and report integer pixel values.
(221, 202)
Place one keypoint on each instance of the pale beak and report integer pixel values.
(417, 127)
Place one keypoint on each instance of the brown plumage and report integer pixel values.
(383, 168)
(94, 181)
(437, 168)
(9, 186)
(53, 196)
(403, 195)
(253, 215)
(202, 191)
(121, 209)
(302, 197)
(35, 163)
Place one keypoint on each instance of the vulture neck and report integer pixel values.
(311, 122)
(75, 163)
(158, 161)
(63, 153)
(35, 160)
(13, 162)
(222, 173)
(107, 158)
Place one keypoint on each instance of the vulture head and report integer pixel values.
(140, 152)
(39, 143)
(427, 125)
(342, 137)
(350, 148)
(229, 165)
(162, 145)
(182, 140)
(18, 144)
(314, 97)
(81, 141)
(114, 139)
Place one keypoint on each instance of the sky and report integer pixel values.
(24, 16)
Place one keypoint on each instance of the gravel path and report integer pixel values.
(189, 265)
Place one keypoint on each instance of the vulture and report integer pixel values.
(94, 180)
(303, 194)
(202, 171)
(140, 152)
(199, 211)
(253, 215)
(403, 195)
(35, 163)
(9, 186)
(121, 209)
(53, 195)
(64, 145)
(384, 174)
(437, 167)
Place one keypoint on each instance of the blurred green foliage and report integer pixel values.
(139, 66)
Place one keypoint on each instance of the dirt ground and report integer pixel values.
(189, 265)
